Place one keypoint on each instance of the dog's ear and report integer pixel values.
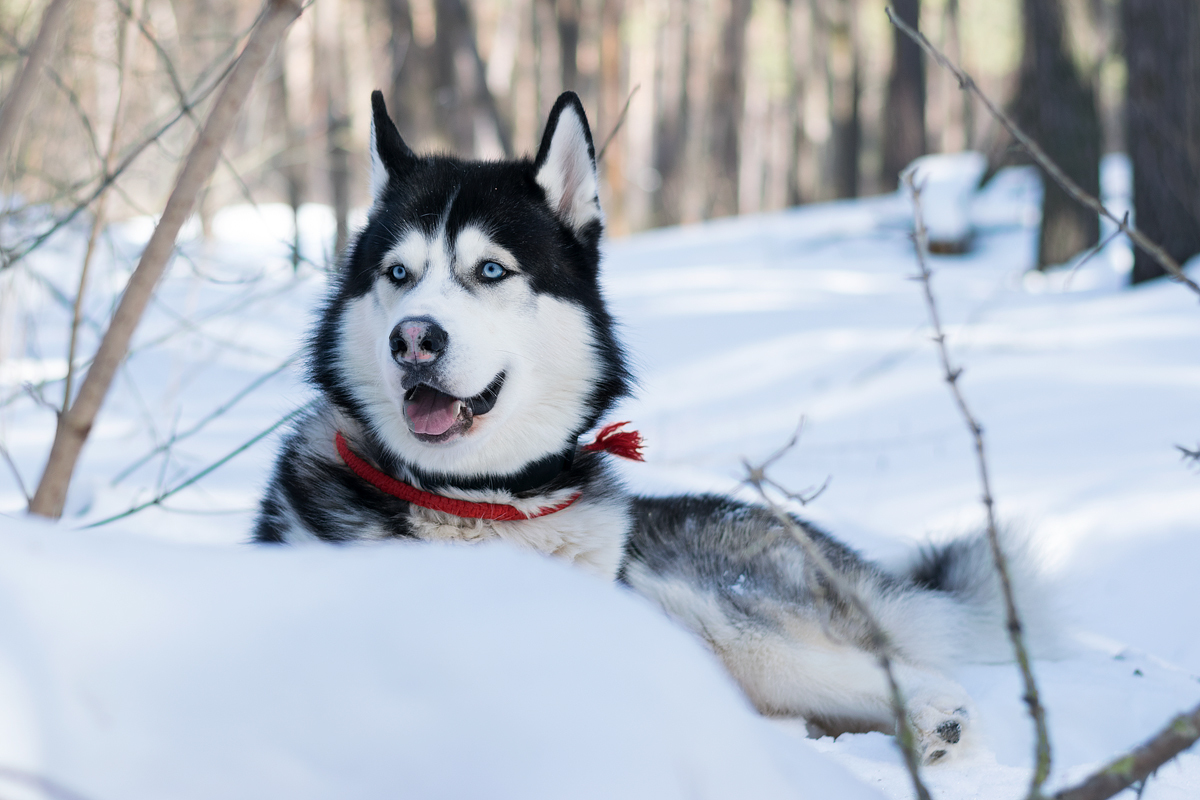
(390, 156)
(566, 165)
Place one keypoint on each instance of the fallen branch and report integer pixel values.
(952, 374)
(1056, 174)
(756, 477)
(74, 426)
(1136, 766)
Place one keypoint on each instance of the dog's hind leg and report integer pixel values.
(789, 664)
(840, 687)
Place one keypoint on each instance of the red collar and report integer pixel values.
(627, 444)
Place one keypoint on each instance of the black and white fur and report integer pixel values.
(465, 348)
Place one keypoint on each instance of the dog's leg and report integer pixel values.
(844, 688)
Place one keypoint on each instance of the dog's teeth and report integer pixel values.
(458, 407)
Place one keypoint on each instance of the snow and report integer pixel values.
(158, 656)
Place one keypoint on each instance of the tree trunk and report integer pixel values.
(1058, 109)
(1162, 51)
(461, 95)
(798, 38)
(611, 100)
(670, 131)
(728, 81)
(904, 113)
(329, 70)
(567, 12)
(844, 94)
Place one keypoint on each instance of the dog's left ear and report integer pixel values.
(566, 165)
(390, 156)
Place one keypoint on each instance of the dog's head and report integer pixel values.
(467, 331)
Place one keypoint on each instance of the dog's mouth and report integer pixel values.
(435, 416)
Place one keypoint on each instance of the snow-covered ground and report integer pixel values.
(159, 656)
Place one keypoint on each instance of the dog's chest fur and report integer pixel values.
(315, 497)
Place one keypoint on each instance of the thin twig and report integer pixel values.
(98, 215)
(16, 104)
(1136, 766)
(214, 414)
(1056, 174)
(46, 786)
(159, 498)
(880, 641)
(1189, 455)
(616, 126)
(16, 472)
(76, 424)
(1079, 262)
(952, 374)
(10, 256)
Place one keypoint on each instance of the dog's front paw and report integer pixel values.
(939, 724)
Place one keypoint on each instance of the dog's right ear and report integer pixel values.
(390, 156)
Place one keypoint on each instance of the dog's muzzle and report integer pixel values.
(437, 416)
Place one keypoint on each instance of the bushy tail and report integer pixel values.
(965, 570)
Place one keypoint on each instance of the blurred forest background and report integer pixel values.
(732, 106)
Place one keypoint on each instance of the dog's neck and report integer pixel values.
(531, 477)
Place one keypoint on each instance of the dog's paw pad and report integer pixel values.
(938, 731)
(949, 731)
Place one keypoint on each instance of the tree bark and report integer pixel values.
(567, 12)
(21, 94)
(75, 425)
(673, 109)
(461, 92)
(728, 96)
(844, 95)
(1058, 109)
(904, 112)
(1162, 53)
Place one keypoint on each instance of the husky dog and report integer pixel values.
(464, 350)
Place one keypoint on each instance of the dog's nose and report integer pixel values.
(418, 340)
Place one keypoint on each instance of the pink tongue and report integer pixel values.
(431, 412)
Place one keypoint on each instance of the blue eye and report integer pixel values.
(492, 271)
(399, 272)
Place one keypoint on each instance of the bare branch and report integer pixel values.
(756, 477)
(199, 425)
(12, 255)
(617, 125)
(1134, 767)
(159, 498)
(49, 788)
(1056, 174)
(98, 215)
(21, 94)
(1092, 251)
(16, 472)
(75, 425)
(952, 374)
(1189, 455)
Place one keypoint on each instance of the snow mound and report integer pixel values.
(136, 669)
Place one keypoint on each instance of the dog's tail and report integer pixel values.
(964, 571)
